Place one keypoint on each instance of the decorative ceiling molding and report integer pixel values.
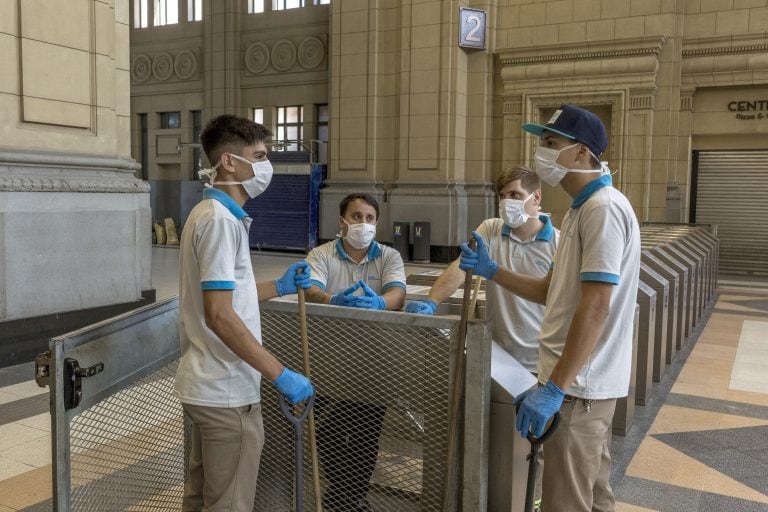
(625, 63)
(725, 45)
(610, 49)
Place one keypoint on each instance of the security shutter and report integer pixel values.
(732, 192)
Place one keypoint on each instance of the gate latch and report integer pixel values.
(42, 368)
(73, 381)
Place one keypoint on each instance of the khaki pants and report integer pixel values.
(577, 461)
(224, 459)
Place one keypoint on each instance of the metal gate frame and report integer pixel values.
(118, 353)
(119, 344)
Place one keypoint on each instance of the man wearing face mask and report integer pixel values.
(585, 352)
(353, 271)
(521, 240)
(222, 360)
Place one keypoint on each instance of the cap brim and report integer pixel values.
(538, 130)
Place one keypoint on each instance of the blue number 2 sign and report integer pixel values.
(472, 28)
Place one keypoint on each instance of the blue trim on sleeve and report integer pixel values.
(217, 285)
(602, 277)
(318, 284)
(591, 187)
(393, 284)
(224, 199)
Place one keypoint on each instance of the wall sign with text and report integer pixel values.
(472, 28)
(747, 110)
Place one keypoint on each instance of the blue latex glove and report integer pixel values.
(347, 297)
(479, 262)
(370, 299)
(537, 406)
(294, 386)
(421, 307)
(292, 280)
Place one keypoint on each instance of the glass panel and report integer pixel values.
(173, 11)
(322, 113)
(170, 120)
(322, 132)
(280, 115)
(280, 133)
(292, 132)
(258, 115)
(255, 6)
(322, 2)
(292, 4)
(140, 13)
(292, 114)
(195, 10)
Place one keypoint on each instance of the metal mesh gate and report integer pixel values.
(381, 414)
(128, 450)
(382, 379)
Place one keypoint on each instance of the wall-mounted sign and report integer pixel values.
(749, 109)
(472, 28)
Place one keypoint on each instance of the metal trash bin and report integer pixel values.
(660, 332)
(401, 232)
(646, 299)
(421, 242)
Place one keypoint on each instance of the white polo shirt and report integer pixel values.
(215, 255)
(333, 271)
(599, 241)
(516, 322)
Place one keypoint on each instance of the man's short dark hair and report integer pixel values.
(358, 195)
(230, 133)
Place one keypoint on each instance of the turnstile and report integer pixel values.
(687, 269)
(677, 295)
(660, 332)
(646, 299)
(625, 407)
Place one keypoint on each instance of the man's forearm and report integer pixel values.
(318, 296)
(448, 282)
(394, 298)
(530, 288)
(266, 290)
(236, 336)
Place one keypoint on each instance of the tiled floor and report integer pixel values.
(701, 444)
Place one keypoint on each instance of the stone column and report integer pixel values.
(74, 220)
(404, 97)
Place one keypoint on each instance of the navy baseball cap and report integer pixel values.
(575, 123)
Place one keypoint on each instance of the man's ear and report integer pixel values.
(227, 163)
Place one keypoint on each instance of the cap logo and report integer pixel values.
(554, 116)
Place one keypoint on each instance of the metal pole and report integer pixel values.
(312, 439)
(458, 388)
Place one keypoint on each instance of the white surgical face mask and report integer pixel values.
(262, 176)
(512, 211)
(360, 235)
(549, 170)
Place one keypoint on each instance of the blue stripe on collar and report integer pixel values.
(547, 231)
(374, 250)
(226, 200)
(545, 234)
(592, 187)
